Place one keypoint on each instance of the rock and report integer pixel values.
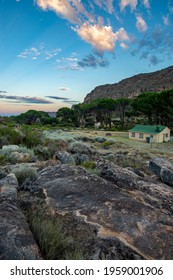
(64, 157)
(100, 139)
(87, 139)
(81, 158)
(81, 148)
(162, 168)
(123, 212)
(16, 239)
(131, 87)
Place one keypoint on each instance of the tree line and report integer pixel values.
(149, 108)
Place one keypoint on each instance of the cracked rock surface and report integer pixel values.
(127, 211)
(17, 241)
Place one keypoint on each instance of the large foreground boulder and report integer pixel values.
(16, 239)
(125, 210)
(162, 168)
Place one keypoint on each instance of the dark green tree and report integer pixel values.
(122, 106)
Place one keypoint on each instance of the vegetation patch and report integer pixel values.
(107, 143)
(53, 239)
(23, 173)
(9, 136)
(91, 166)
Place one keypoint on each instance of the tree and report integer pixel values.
(122, 106)
(65, 115)
(157, 107)
(31, 117)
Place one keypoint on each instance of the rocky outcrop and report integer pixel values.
(163, 169)
(134, 86)
(17, 241)
(129, 217)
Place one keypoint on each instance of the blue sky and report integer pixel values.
(54, 52)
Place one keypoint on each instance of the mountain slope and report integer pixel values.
(134, 86)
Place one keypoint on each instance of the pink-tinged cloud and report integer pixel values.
(102, 38)
(60, 7)
(146, 4)
(166, 20)
(124, 46)
(141, 24)
(125, 3)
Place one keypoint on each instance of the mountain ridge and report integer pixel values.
(133, 86)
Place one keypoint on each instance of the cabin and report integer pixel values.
(150, 133)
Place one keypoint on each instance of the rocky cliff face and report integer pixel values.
(134, 86)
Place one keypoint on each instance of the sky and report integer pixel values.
(54, 52)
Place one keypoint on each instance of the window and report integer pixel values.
(133, 134)
(167, 135)
(141, 135)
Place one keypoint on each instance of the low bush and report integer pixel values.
(2, 159)
(89, 164)
(20, 154)
(108, 143)
(80, 147)
(32, 138)
(24, 172)
(53, 242)
(91, 167)
(9, 136)
(55, 145)
(42, 152)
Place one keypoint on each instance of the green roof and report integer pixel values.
(152, 129)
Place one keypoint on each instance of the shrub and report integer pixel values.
(32, 138)
(108, 143)
(9, 135)
(89, 164)
(42, 152)
(2, 159)
(55, 145)
(20, 154)
(24, 172)
(53, 242)
(81, 148)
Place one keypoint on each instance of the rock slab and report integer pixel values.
(163, 169)
(16, 239)
(123, 207)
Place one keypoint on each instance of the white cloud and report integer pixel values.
(32, 52)
(102, 38)
(141, 24)
(52, 53)
(124, 46)
(41, 52)
(131, 3)
(166, 20)
(146, 3)
(106, 5)
(61, 7)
